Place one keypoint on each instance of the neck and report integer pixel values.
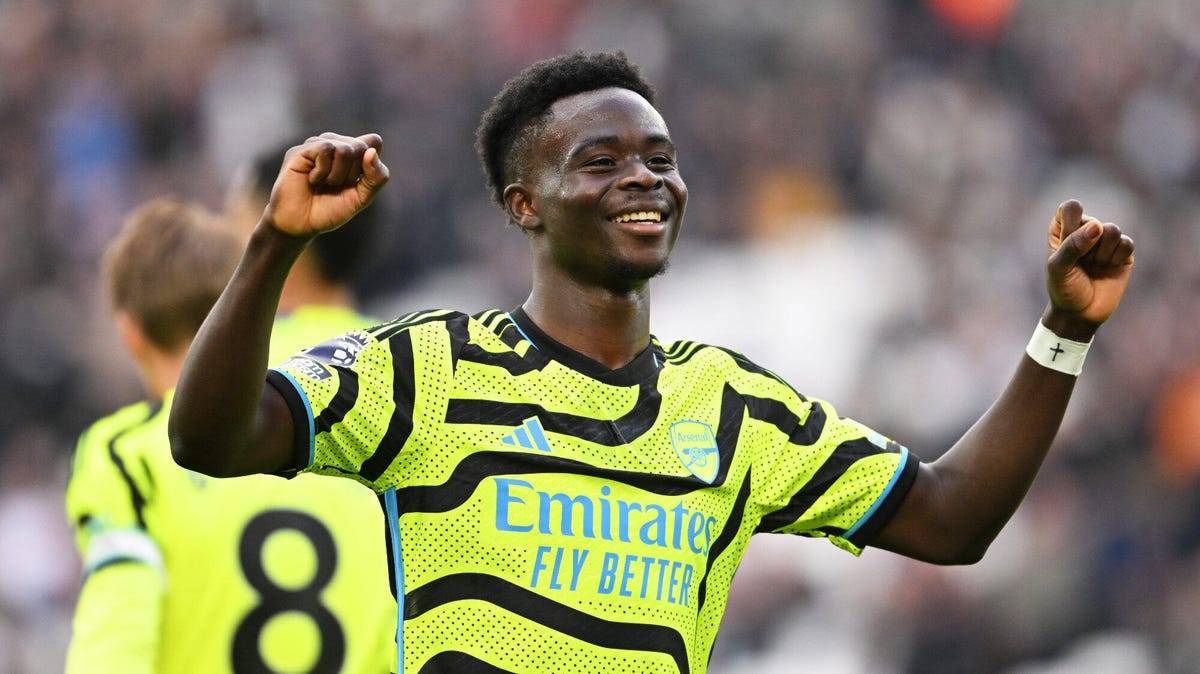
(160, 370)
(608, 327)
(304, 286)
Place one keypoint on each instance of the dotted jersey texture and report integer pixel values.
(614, 550)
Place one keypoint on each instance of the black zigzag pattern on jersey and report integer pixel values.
(777, 414)
(457, 662)
(479, 466)
(469, 472)
(346, 396)
(844, 456)
(459, 331)
(404, 393)
(681, 352)
(472, 470)
(343, 401)
(510, 361)
(725, 538)
(750, 366)
(388, 330)
(546, 612)
(501, 323)
(492, 319)
(611, 433)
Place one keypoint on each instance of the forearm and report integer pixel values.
(990, 469)
(215, 424)
(965, 497)
(959, 503)
(995, 462)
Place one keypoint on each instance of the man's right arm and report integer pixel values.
(224, 420)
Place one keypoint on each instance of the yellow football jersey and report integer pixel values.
(548, 514)
(246, 574)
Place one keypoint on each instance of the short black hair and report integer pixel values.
(338, 253)
(517, 112)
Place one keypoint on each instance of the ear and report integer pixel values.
(518, 203)
(132, 337)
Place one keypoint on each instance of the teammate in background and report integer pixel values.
(565, 492)
(185, 573)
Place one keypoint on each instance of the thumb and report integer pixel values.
(1075, 246)
(374, 176)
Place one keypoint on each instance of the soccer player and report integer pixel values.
(185, 573)
(564, 491)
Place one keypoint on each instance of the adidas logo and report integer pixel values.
(529, 435)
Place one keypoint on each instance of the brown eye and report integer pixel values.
(601, 162)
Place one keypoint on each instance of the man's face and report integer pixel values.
(605, 186)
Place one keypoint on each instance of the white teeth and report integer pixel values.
(640, 216)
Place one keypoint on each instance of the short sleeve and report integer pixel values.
(343, 399)
(830, 476)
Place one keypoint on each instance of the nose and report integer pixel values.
(640, 177)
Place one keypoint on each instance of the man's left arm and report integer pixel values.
(116, 627)
(959, 503)
(116, 624)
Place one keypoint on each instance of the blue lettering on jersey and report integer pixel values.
(340, 351)
(523, 509)
(696, 446)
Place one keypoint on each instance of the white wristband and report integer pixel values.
(1057, 353)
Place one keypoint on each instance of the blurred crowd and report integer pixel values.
(870, 188)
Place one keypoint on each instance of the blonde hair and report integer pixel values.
(167, 267)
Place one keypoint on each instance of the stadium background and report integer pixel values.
(870, 182)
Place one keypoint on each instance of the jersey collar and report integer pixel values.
(644, 366)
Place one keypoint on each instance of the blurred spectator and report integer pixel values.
(41, 572)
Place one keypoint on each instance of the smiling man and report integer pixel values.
(564, 492)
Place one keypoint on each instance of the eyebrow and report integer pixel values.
(594, 141)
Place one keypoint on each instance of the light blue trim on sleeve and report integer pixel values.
(393, 524)
(312, 430)
(882, 497)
